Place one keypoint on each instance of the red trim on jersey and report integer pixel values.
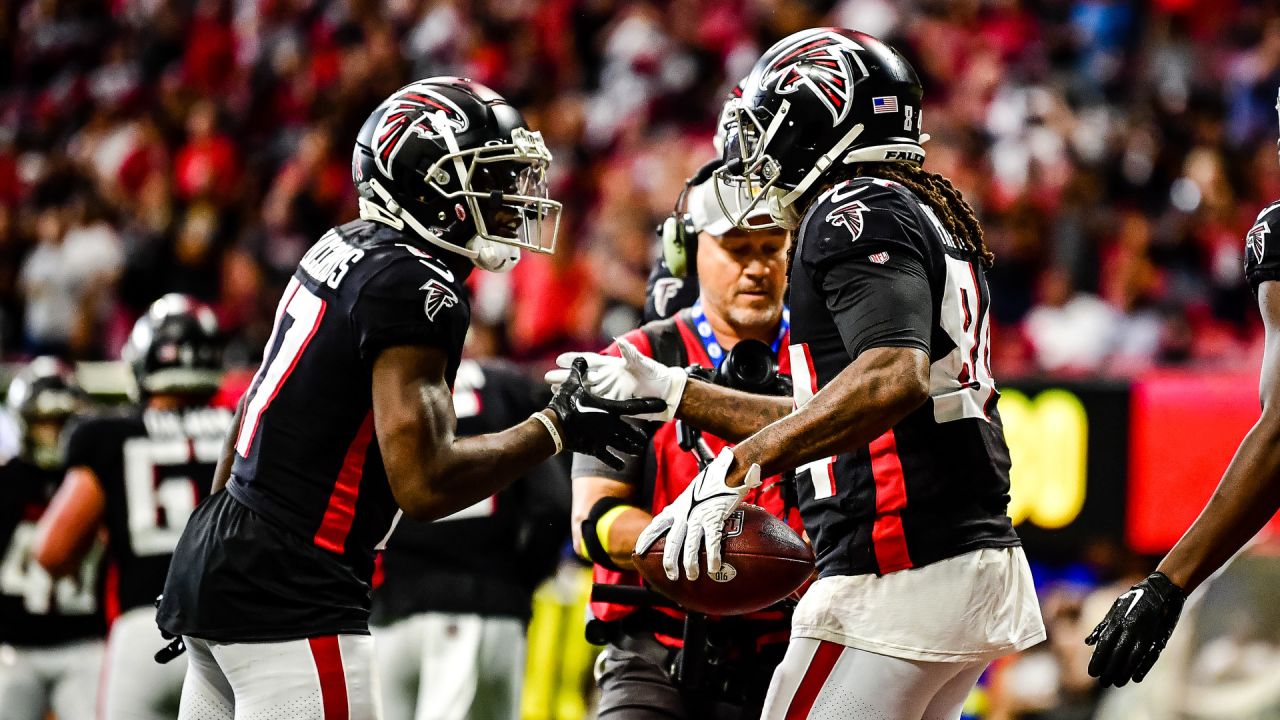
(333, 682)
(824, 659)
(111, 593)
(248, 445)
(341, 512)
(887, 535)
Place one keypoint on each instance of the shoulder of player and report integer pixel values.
(400, 269)
(1258, 239)
(87, 435)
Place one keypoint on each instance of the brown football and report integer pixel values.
(763, 561)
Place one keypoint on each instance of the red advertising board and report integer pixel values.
(1183, 430)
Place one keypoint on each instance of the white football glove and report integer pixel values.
(622, 378)
(697, 517)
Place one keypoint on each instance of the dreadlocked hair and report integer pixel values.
(952, 209)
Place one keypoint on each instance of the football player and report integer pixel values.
(902, 467)
(139, 475)
(449, 617)
(1130, 638)
(50, 630)
(350, 414)
(738, 296)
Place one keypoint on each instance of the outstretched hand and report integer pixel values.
(632, 374)
(1129, 639)
(592, 424)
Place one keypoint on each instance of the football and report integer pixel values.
(764, 561)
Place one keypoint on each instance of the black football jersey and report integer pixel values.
(1261, 256)
(308, 475)
(154, 467)
(35, 609)
(876, 268)
(486, 559)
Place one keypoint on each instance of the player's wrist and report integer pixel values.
(550, 421)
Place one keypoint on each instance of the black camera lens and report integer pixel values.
(750, 367)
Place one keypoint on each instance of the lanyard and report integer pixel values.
(708, 336)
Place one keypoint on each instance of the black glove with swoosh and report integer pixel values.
(592, 425)
(1130, 638)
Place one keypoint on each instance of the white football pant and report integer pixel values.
(322, 678)
(822, 680)
(59, 678)
(134, 685)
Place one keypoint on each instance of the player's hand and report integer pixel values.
(1129, 639)
(697, 517)
(631, 375)
(593, 425)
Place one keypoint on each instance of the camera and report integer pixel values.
(752, 367)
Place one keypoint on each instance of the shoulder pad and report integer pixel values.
(857, 212)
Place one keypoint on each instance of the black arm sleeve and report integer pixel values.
(865, 251)
(879, 305)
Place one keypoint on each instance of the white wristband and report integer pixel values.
(551, 428)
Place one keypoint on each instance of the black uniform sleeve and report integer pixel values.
(867, 256)
(1261, 256)
(409, 303)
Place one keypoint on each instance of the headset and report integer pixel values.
(678, 233)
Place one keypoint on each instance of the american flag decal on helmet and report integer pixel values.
(438, 297)
(416, 108)
(813, 63)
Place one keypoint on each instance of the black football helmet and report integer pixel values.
(453, 161)
(175, 347)
(41, 398)
(818, 98)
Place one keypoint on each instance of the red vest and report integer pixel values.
(675, 467)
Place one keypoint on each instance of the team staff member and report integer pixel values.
(902, 467)
(1130, 638)
(741, 277)
(139, 476)
(50, 631)
(350, 416)
(450, 615)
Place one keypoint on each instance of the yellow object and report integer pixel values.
(605, 523)
(558, 669)
(1048, 445)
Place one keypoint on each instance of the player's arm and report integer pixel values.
(874, 393)
(727, 413)
(222, 473)
(433, 472)
(69, 526)
(603, 507)
(1249, 493)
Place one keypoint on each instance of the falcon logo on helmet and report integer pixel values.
(438, 297)
(849, 216)
(812, 62)
(416, 108)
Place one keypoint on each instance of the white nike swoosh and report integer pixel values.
(423, 258)
(1137, 595)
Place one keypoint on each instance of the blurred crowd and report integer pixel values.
(1117, 152)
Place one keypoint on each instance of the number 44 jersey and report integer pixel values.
(287, 550)
(874, 268)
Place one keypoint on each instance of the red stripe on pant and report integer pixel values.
(824, 659)
(333, 682)
(887, 535)
(341, 513)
